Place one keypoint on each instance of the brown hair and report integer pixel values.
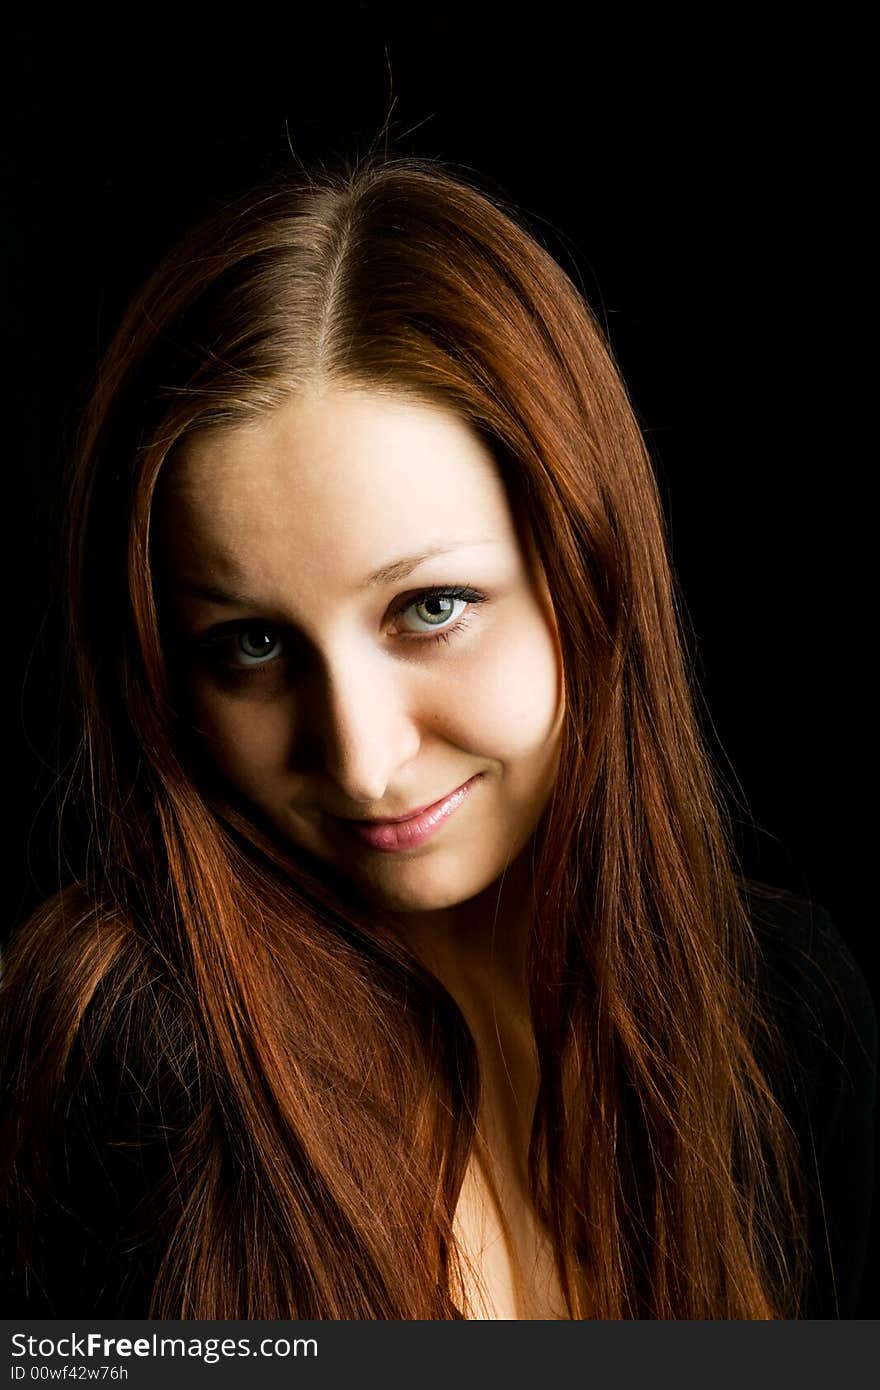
(326, 1082)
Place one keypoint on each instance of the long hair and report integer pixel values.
(324, 1083)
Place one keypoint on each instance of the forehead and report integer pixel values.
(331, 484)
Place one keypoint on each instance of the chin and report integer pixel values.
(423, 886)
(403, 899)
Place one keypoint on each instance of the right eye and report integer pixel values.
(244, 645)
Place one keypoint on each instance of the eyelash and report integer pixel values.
(219, 637)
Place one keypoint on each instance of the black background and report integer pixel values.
(696, 169)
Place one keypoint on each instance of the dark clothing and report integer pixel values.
(102, 1261)
(827, 1088)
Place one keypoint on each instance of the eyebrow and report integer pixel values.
(388, 574)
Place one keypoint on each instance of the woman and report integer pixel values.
(362, 524)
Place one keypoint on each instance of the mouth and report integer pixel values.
(405, 833)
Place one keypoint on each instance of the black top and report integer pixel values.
(98, 1262)
(827, 1088)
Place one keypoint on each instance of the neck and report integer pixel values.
(478, 948)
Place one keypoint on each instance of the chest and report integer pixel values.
(509, 1268)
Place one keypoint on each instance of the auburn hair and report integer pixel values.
(321, 1084)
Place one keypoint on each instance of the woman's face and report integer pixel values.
(327, 685)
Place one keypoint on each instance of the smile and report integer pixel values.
(390, 836)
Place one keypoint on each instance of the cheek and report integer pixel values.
(509, 690)
(246, 739)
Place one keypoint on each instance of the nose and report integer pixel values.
(366, 726)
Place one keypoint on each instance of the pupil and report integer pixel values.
(437, 605)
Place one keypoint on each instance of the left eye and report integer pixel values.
(436, 608)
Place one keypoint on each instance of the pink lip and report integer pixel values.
(406, 834)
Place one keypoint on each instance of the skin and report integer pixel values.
(346, 708)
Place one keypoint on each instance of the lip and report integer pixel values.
(393, 835)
